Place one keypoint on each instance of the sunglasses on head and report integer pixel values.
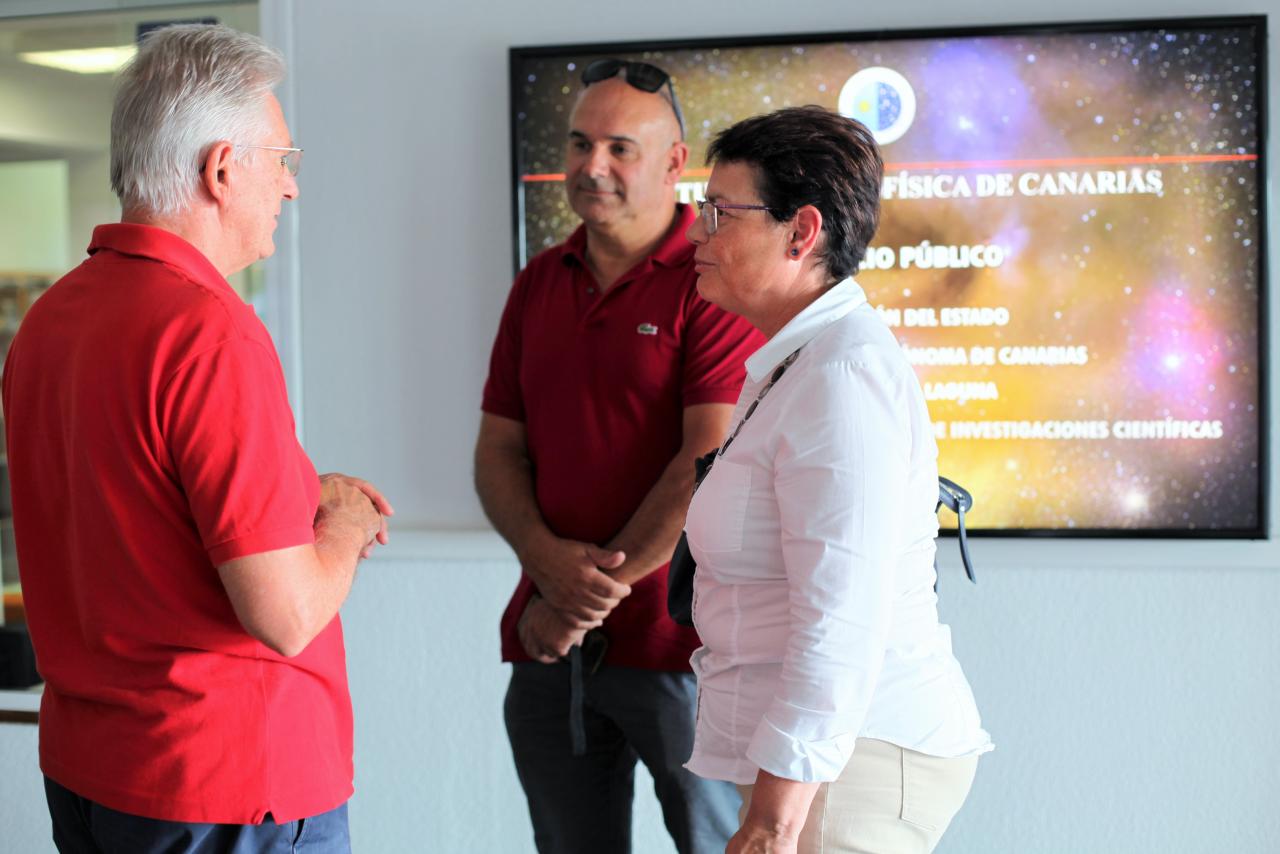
(639, 75)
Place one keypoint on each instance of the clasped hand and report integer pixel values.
(570, 577)
(358, 501)
(575, 596)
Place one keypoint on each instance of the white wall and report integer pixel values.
(1127, 684)
(36, 109)
(1132, 709)
(24, 820)
(433, 769)
(405, 211)
(33, 218)
(90, 200)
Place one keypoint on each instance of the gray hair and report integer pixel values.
(188, 87)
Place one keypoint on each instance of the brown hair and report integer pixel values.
(813, 156)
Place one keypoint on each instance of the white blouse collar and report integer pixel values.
(832, 305)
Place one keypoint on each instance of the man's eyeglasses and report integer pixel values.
(640, 75)
(711, 212)
(291, 159)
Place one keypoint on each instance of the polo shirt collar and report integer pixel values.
(674, 250)
(832, 305)
(147, 241)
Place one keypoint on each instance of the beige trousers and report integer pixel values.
(888, 800)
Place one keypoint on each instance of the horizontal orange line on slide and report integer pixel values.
(1151, 160)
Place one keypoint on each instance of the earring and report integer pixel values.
(795, 251)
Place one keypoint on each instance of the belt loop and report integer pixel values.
(577, 730)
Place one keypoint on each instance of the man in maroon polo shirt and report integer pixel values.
(182, 564)
(609, 376)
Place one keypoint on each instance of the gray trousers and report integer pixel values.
(582, 804)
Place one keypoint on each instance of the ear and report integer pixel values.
(806, 231)
(215, 173)
(676, 159)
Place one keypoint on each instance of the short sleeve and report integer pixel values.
(227, 427)
(502, 394)
(716, 347)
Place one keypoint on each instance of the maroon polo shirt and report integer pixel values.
(600, 382)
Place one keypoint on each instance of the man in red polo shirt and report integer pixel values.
(182, 565)
(609, 376)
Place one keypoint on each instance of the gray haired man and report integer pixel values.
(182, 563)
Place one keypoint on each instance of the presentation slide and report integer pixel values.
(1070, 249)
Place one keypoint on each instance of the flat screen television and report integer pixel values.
(1071, 247)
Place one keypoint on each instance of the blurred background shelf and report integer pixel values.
(13, 609)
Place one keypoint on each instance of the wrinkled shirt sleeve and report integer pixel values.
(840, 474)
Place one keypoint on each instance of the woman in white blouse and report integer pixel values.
(827, 687)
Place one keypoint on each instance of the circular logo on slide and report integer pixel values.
(881, 99)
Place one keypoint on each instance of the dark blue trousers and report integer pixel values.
(582, 804)
(81, 826)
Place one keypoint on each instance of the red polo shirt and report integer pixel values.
(150, 440)
(600, 383)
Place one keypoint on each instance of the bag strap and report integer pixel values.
(703, 471)
(958, 500)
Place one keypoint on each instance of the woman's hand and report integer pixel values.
(775, 816)
(751, 839)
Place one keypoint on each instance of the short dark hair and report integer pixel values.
(813, 156)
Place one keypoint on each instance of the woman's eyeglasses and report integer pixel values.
(710, 212)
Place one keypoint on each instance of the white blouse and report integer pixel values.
(814, 537)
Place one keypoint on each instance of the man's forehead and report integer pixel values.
(574, 133)
(277, 126)
(615, 108)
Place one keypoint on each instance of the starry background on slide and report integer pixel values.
(1162, 287)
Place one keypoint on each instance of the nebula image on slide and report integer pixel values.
(1070, 247)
